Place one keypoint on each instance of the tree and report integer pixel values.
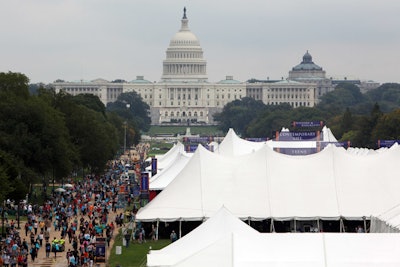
(135, 112)
(238, 114)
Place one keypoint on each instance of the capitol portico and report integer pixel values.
(183, 95)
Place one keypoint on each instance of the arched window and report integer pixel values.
(201, 113)
(166, 113)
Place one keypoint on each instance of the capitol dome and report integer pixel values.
(184, 57)
(307, 63)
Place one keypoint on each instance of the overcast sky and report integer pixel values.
(121, 39)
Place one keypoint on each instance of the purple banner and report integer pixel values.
(387, 143)
(307, 123)
(296, 151)
(100, 249)
(144, 181)
(153, 166)
(200, 140)
(297, 136)
(191, 148)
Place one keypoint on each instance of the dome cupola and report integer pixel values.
(184, 56)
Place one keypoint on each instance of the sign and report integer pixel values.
(298, 136)
(191, 148)
(387, 143)
(297, 151)
(153, 166)
(201, 140)
(100, 249)
(118, 250)
(307, 124)
(144, 182)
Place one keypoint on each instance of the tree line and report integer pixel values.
(45, 136)
(352, 116)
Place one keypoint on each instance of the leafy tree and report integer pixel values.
(388, 126)
(238, 114)
(135, 112)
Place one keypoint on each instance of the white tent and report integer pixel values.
(387, 222)
(218, 226)
(233, 145)
(168, 174)
(298, 250)
(265, 184)
(223, 240)
(165, 160)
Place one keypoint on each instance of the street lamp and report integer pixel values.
(127, 106)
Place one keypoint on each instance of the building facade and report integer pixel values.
(185, 96)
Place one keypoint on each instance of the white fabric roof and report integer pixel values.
(165, 160)
(300, 249)
(168, 174)
(233, 145)
(388, 221)
(223, 240)
(266, 184)
(220, 224)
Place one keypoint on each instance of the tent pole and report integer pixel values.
(365, 224)
(341, 225)
(319, 229)
(180, 228)
(158, 222)
(272, 228)
(248, 221)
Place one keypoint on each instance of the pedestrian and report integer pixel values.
(173, 236)
(48, 248)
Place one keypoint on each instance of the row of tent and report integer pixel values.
(250, 181)
(224, 240)
(253, 181)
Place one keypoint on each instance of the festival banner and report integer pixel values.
(298, 136)
(387, 143)
(297, 151)
(100, 249)
(307, 124)
(144, 182)
(153, 166)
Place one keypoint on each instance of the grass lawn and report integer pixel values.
(136, 254)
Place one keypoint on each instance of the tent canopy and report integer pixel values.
(266, 184)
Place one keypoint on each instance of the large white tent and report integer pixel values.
(168, 174)
(222, 223)
(387, 222)
(224, 240)
(167, 159)
(233, 145)
(265, 184)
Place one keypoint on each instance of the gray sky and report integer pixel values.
(120, 39)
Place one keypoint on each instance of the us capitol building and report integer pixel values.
(184, 95)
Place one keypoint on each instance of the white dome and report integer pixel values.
(184, 38)
(184, 61)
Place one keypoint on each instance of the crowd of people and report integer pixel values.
(75, 219)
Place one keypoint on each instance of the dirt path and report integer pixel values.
(61, 260)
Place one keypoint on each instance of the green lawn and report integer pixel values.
(135, 254)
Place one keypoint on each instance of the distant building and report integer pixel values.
(184, 96)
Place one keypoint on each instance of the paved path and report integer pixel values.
(61, 259)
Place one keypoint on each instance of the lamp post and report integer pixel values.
(126, 124)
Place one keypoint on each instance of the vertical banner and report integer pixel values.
(144, 182)
(100, 249)
(153, 166)
(144, 189)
